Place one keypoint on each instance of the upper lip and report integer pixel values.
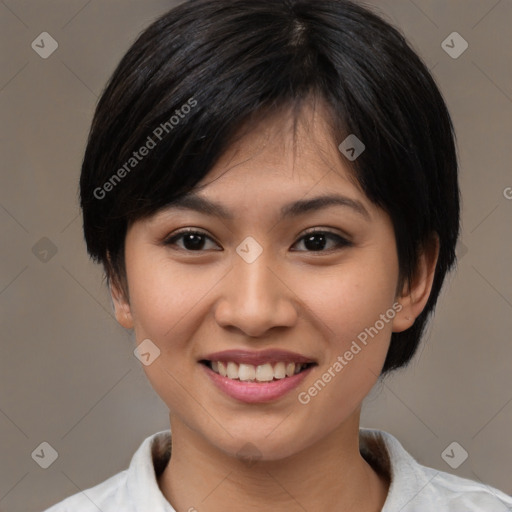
(257, 357)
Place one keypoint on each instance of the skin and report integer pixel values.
(191, 303)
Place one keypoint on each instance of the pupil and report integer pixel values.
(193, 241)
(319, 245)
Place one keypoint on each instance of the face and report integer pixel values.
(255, 291)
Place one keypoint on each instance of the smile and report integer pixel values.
(261, 373)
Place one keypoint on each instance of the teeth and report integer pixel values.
(232, 370)
(279, 371)
(265, 372)
(261, 373)
(245, 372)
(222, 369)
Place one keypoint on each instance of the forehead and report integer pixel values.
(281, 167)
(285, 150)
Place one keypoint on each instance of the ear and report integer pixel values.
(121, 305)
(414, 295)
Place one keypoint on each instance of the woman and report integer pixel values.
(272, 189)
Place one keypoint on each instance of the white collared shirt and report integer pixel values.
(414, 488)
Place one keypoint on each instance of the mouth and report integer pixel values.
(266, 372)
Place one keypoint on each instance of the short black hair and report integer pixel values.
(206, 68)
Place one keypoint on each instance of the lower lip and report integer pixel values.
(256, 392)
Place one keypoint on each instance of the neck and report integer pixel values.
(330, 474)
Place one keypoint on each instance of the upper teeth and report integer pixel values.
(261, 373)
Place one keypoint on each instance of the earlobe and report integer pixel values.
(122, 309)
(415, 294)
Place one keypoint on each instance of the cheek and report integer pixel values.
(355, 348)
(351, 298)
(162, 302)
(163, 295)
(353, 306)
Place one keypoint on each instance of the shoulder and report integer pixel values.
(133, 489)
(102, 496)
(451, 493)
(417, 488)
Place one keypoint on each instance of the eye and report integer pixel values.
(316, 240)
(193, 240)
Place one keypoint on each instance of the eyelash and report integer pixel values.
(342, 242)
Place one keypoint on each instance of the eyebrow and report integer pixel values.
(194, 202)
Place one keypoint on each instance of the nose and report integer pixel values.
(255, 298)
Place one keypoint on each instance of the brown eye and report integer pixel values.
(316, 241)
(192, 240)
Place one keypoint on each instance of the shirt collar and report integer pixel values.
(380, 449)
(142, 478)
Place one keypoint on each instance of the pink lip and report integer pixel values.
(256, 358)
(256, 392)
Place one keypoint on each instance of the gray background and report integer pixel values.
(68, 373)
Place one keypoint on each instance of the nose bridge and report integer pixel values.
(255, 299)
(256, 283)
